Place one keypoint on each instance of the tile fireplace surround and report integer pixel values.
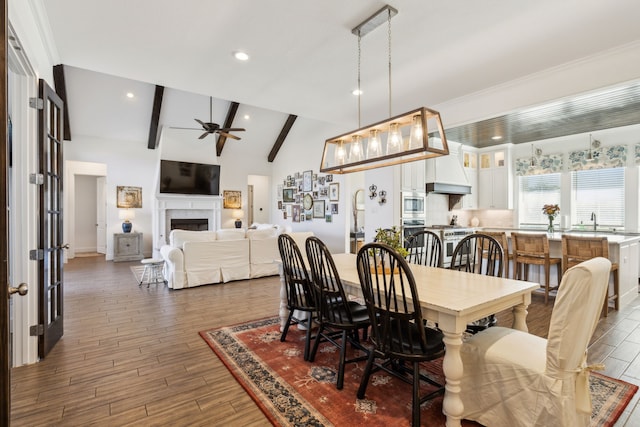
(176, 206)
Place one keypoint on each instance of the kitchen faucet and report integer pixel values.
(593, 218)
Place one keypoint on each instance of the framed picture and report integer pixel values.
(232, 199)
(308, 216)
(279, 204)
(279, 188)
(129, 197)
(328, 218)
(287, 195)
(318, 208)
(334, 208)
(295, 213)
(288, 209)
(307, 181)
(334, 191)
(329, 178)
(321, 180)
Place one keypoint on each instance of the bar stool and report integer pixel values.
(576, 249)
(533, 249)
(501, 237)
(153, 269)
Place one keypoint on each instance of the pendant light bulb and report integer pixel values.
(355, 151)
(415, 137)
(374, 148)
(340, 154)
(394, 139)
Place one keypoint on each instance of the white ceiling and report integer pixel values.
(304, 56)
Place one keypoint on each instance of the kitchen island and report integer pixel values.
(623, 249)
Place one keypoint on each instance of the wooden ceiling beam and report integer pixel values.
(283, 135)
(228, 122)
(152, 143)
(61, 90)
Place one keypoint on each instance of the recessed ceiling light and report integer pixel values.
(247, 117)
(357, 92)
(241, 56)
(496, 138)
(130, 95)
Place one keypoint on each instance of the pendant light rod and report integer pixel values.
(374, 21)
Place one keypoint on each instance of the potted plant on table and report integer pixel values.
(391, 237)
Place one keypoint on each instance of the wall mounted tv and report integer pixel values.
(189, 178)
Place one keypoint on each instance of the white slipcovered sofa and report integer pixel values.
(194, 258)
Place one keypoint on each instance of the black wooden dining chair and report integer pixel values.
(481, 254)
(300, 292)
(340, 319)
(398, 331)
(425, 248)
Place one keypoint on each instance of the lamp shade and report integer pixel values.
(238, 214)
(126, 214)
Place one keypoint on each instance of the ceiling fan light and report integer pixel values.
(241, 56)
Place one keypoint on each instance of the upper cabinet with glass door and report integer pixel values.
(495, 188)
(470, 165)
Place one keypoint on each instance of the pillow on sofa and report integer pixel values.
(178, 237)
(231, 234)
(262, 234)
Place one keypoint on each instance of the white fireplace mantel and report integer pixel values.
(170, 206)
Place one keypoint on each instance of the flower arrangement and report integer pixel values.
(551, 211)
(392, 237)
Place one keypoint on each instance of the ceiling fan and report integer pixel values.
(210, 128)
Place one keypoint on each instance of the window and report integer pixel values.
(599, 191)
(535, 192)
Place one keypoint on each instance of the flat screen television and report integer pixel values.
(189, 178)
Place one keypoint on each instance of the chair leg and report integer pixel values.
(283, 337)
(616, 290)
(307, 341)
(312, 356)
(547, 273)
(415, 405)
(365, 375)
(343, 356)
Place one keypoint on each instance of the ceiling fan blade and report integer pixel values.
(203, 135)
(232, 129)
(199, 121)
(173, 127)
(228, 135)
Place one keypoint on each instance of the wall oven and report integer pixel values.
(413, 205)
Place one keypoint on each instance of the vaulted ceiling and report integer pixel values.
(304, 58)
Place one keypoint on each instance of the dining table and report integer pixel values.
(452, 299)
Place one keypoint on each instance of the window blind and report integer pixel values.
(599, 191)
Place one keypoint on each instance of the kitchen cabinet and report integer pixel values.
(495, 188)
(470, 167)
(127, 247)
(413, 176)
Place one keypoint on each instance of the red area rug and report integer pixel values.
(292, 392)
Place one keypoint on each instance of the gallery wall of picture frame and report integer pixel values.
(308, 196)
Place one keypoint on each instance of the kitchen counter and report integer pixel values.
(624, 248)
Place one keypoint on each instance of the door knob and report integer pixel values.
(65, 246)
(22, 289)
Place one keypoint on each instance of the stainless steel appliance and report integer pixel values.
(410, 226)
(413, 205)
(450, 236)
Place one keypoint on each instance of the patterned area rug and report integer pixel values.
(292, 392)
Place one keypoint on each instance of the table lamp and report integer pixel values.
(126, 215)
(238, 215)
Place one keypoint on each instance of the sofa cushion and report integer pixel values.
(231, 234)
(178, 237)
(262, 234)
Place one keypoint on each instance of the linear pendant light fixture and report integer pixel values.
(415, 135)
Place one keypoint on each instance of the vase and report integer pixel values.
(550, 227)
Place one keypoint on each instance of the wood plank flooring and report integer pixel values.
(132, 355)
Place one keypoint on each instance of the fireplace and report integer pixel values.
(192, 224)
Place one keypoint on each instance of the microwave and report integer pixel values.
(413, 205)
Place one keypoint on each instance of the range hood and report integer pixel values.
(445, 174)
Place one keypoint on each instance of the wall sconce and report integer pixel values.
(383, 197)
(372, 191)
(127, 215)
(407, 139)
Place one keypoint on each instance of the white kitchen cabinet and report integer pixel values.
(413, 176)
(495, 188)
(470, 167)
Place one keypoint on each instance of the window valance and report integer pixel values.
(637, 153)
(548, 163)
(605, 157)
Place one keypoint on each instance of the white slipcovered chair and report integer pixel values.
(513, 378)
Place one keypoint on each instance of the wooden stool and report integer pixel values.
(576, 249)
(501, 237)
(533, 249)
(153, 269)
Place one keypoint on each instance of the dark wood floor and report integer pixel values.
(132, 355)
